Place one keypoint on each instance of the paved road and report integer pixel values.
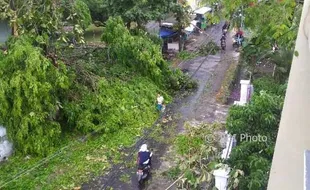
(200, 106)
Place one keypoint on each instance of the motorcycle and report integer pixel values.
(237, 41)
(223, 42)
(143, 172)
(224, 32)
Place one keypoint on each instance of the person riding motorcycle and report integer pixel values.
(225, 27)
(239, 34)
(144, 157)
(238, 38)
(223, 42)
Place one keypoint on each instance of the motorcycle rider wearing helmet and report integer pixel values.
(223, 42)
(225, 27)
(144, 156)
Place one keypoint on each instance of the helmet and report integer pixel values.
(143, 148)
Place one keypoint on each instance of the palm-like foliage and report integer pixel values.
(282, 60)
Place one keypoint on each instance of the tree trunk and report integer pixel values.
(274, 70)
(128, 25)
(180, 39)
(139, 25)
(159, 23)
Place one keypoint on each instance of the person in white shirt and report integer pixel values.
(160, 100)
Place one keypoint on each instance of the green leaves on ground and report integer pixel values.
(197, 154)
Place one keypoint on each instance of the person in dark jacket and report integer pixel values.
(223, 42)
(226, 26)
(144, 156)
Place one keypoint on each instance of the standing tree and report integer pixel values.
(182, 15)
(44, 19)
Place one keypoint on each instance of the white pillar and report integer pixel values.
(221, 178)
(244, 91)
(229, 145)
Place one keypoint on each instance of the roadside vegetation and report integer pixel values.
(70, 109)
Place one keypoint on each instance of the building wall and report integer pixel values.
(5, 31)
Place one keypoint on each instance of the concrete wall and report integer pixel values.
(288, 164)
(5, 31)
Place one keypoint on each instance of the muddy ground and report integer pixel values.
(196, 107)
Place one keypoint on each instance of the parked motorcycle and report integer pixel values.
(237, 41)
(142, 173)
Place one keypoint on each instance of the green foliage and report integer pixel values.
(182, 15)
(31, 88)
(46, 19)
(84, 13)
(211, 48)
(270, 85)
(282, 59)
(260, 117)
(98, 9)
(114, 105)
(154, 38)
(139, 53)
(185, 55)
(138, 11)
(197, 154)
(278, 23)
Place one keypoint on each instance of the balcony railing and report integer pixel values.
(289, 165)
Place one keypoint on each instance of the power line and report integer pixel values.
(113, 177)
(81, 139)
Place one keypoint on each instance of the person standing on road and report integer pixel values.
(160, 100)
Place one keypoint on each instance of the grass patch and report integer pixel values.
(173, 173)
(72, 167)
(230, 76)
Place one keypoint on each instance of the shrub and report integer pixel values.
(211, 48)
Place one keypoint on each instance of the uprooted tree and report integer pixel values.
(101, 92)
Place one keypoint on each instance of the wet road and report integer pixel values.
(198, 106)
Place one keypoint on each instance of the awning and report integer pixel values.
(166, 33)
(203, 10)
(191, 27)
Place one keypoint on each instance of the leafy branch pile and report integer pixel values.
(41, 101)
(45, 105)
(211, 48)
(197, 156)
